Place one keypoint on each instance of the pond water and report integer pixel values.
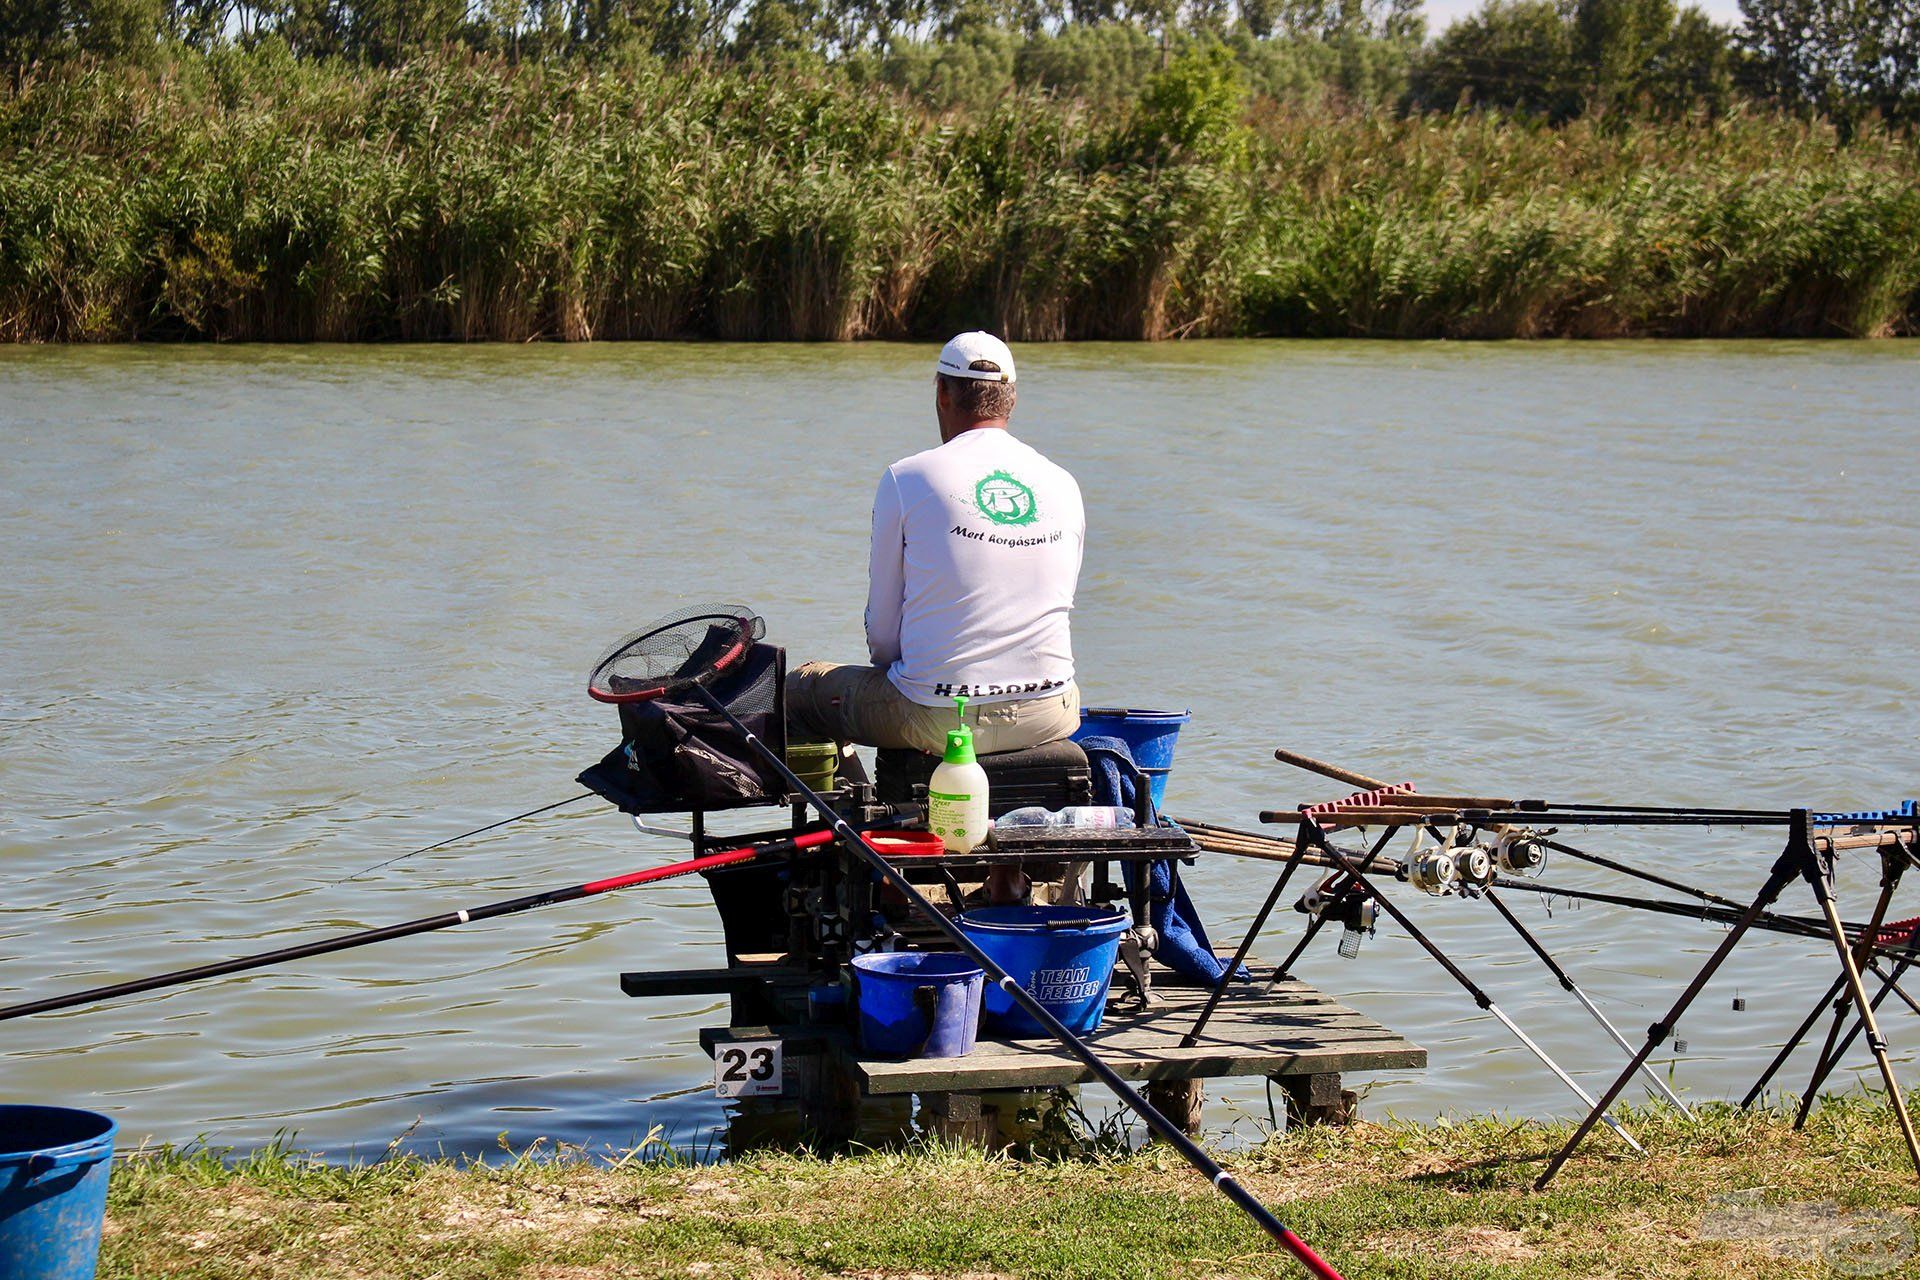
(272, 615)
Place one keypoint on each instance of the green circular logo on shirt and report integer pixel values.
(1004, 500)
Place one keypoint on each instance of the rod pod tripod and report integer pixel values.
(1798, 860)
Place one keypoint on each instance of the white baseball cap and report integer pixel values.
(965, 348)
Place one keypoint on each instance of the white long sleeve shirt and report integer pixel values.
(975, 558)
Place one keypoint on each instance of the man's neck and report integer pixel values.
(985, 424)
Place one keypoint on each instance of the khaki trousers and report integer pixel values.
(829, 701)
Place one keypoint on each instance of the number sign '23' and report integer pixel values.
(748, 1069)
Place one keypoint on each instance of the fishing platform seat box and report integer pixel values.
(677, 755)
(1052, 775)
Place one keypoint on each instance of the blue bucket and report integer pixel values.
(897, 1021)
(1149, 735)
(53, 1191)
(1063, 956)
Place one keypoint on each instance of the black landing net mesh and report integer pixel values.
(675, 652)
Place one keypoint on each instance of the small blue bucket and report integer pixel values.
(1149, 735)
(53, 1191)
(1063, 956)
(918, 1004)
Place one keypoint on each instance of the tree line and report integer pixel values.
(1556, 60)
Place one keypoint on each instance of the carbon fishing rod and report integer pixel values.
(1526, 935)
(1259, 921)
(1473, 989)
(464, 835)
(428, 924)
(685, 655)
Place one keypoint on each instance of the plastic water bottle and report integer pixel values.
(1097, 816)
(957, 791)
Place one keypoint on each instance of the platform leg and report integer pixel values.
(1180, 1101)
(1318, 1099)
(829, 1098)
(957, 1117)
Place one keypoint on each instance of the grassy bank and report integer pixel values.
(1736, 1195)
(250, 196)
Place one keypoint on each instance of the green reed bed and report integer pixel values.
(250, 196)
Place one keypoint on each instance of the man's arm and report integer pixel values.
(886, 573)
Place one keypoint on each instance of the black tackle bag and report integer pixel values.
(678, 755)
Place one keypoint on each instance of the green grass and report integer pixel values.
(1396, 1200)
(247, 196)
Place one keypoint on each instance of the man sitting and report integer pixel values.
(974, 561)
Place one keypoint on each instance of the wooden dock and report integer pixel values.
(1293, 1034)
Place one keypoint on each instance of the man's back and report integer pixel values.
(975, 556)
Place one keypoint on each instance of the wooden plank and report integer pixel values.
(1297, 1031)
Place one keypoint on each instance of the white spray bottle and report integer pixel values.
(957, 791)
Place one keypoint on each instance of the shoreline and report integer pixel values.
(1738, 1194)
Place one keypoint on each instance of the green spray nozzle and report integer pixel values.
(959, 740)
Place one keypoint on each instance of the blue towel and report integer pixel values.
(1183, 939)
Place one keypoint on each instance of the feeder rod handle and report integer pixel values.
(1170, 1133)
(1321, 767)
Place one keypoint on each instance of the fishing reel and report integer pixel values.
(1358, 915)
(1520, 851)
(1473, 866)
(1434, 870)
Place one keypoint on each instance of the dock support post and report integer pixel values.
(957, 1117)
(829, 1097)
(1180, 1101)
(1318, 1099)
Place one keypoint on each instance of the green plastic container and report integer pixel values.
(817, 763)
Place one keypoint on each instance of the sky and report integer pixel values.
(1442, 12)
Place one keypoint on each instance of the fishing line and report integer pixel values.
(492, 826)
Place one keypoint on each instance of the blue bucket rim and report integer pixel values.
(79, 1151)
(1030, 921)
(1140, 715)
(926, 964)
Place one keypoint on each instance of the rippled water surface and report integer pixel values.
(273, 615)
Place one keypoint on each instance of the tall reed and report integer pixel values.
(246, 195)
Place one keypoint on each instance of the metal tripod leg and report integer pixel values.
(1831, 1058)
(1785, 868)
(1571, 987)
(1793, 1041)
(1862, 951)
(1302, 841)
(1480, 997)
(1875, 1041)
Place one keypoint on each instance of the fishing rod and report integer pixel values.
(1415, 799)
(1246, 944)
(465, 835)
(1767, 921)
(428, 924)
(684, 655)
(1473, 989)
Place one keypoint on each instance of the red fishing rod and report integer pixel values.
(897, 843)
